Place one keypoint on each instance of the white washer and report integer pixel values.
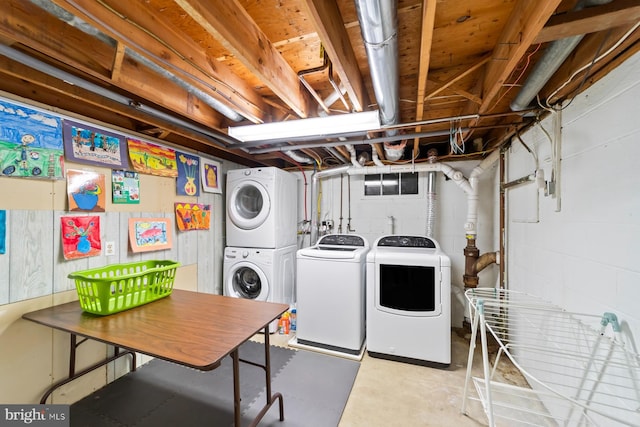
(330, 289)
(409, 301)
(262, 208)
(260, 274)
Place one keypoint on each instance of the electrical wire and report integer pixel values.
(524, 68)
(589, 65)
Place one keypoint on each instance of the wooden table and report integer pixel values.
(193, 329)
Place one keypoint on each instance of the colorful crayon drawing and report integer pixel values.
(30, 143)
(210, 172)
(149, 234)
(188, 182)
(152, 159)
(86, 191)
(80, 236)
(87, 144)
(192, 216)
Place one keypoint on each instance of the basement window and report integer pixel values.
(391, 184)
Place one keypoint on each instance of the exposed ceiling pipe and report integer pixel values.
(469, 186)
(300, 158)
(253, 147)
(379, 26)
(83, 26)
(71, 79)
(553, 57)
(335, 153)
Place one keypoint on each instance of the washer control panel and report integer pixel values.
(407, 242)
(341, 240)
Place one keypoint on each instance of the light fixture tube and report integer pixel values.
(313, 127)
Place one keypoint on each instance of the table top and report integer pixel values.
(191, 328)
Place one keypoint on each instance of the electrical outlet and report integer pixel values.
(109, 248)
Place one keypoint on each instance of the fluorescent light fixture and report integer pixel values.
(314, 127)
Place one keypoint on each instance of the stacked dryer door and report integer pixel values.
(330, 288)
(261, 208)
(409, 300)
(260, 274)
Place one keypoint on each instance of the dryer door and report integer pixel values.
(249, 205)
(248, 281)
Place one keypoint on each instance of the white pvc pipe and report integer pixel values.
(469, 186)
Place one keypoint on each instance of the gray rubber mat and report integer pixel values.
(315, 389)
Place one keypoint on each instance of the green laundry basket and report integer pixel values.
(119, 287)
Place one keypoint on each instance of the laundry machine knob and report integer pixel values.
(245, 254)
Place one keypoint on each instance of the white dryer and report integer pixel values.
(330, 289)
(260, 274)
(262, 208)
(409, 301)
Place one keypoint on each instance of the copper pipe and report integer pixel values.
(484, 261)
(471, 255)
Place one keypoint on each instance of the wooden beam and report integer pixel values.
(566, 79)
(426, 39)
(328, 23)
(525, 22)
(590, 20)
(231, 25)
(74, 100)
(458, 76)
(137, 26)
(75, 51)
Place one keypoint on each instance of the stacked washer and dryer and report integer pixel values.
(260, 257)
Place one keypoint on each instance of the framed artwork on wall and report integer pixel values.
(94, 146)
(210, 176)
(149, 234)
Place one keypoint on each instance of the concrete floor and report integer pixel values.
(388, 393)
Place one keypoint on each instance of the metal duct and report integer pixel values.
(553, 57)
(379, 27)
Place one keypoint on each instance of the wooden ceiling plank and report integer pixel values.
(152, 36)
(458, 76)
(230, 24)
(426, 40)
(525, 22)
(590, 20)
(335, 39)
(79, 53)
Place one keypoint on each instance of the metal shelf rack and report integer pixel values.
(579, 372)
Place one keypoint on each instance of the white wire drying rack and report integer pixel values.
(577, 374)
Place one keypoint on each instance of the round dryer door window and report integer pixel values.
(249, 205)
(249, 282)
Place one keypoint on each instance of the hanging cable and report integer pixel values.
(589, 65)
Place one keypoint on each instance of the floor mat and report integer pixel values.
(315, 389)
